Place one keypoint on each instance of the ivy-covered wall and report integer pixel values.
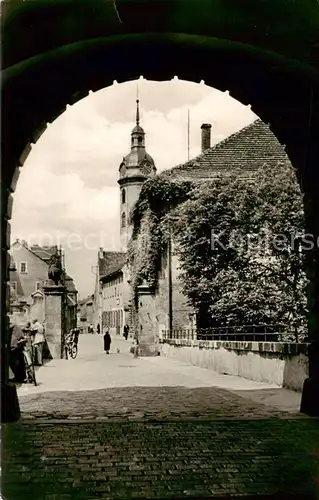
(148, 245)
(227, 284)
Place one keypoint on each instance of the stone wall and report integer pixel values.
(182, 313)
(274, 363)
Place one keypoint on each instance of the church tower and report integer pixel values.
(134, 170)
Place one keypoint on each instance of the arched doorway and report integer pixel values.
(263, 58)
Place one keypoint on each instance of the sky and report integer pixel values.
(67, 191)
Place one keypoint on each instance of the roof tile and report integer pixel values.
(241, 153)
(111, 262)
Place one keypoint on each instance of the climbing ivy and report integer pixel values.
(158, 197)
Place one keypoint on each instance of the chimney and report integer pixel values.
(100, 253)
(206, 131)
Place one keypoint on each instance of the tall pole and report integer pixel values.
(170, 291)
(188, 134)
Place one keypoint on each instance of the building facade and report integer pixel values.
(239, 154)
(85, 313)
(28, 276)
(115, 300)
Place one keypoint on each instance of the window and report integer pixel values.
(123, 221)
(37, 285)
(13, 285)
(123, 195)
(23, 267)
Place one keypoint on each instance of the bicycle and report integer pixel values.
(71, 344)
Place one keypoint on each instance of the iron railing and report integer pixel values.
(259, 333)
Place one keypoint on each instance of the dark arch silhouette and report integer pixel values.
(264, 56)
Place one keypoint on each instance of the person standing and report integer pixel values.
(38, 341)
(107, 342)
(126, 331)
(98, 329)
(17, 343)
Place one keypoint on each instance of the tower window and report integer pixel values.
(123, 220)
(123, 196)
(140, 139)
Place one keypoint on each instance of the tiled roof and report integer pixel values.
(111, 263)
(240, 153)
(45, 252)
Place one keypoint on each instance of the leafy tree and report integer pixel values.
(239, 245)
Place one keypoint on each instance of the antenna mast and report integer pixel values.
(188, 134)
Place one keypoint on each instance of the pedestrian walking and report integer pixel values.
(38, 341)
(98, 329)
(126, 331)
(107, 342)
(136, 349)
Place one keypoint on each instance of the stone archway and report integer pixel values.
(263, 58)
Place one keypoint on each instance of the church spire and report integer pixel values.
(137, 108)
(138, 134)
(137, 112)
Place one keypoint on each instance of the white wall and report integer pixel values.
(270, 366)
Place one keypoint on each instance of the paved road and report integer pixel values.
(117, 427)
(132, 383)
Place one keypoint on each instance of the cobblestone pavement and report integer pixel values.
(147, 403)
(191, 435)
(201, 459)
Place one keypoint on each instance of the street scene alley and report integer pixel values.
(115, 426)
(79, 388)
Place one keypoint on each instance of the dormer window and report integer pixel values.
(123, 196)
(123, 219)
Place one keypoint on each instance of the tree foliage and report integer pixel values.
(238, 243)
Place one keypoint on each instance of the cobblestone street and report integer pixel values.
(118, 427)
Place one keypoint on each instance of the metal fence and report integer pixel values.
(259, 333)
